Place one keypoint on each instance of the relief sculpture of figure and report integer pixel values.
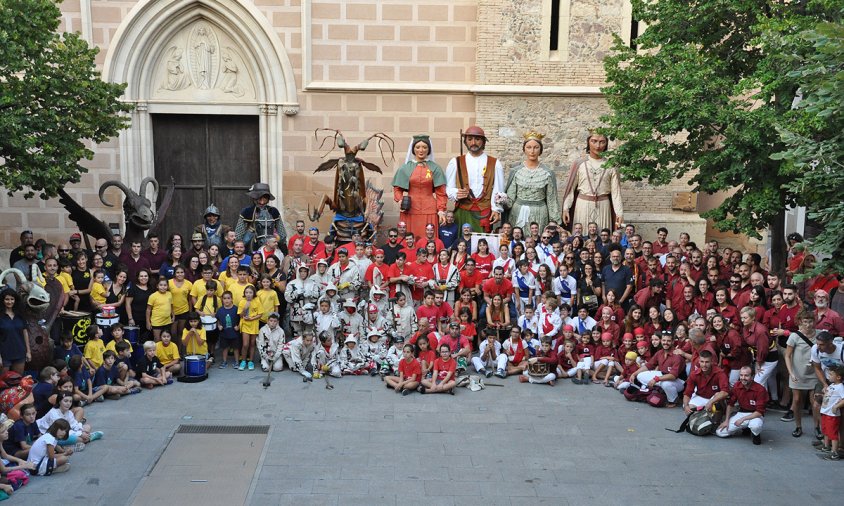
(593, 191)
(175, 79)
(230, 76)
(204, 49)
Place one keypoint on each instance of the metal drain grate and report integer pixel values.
(223, 429)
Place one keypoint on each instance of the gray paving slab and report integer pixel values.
(521, 444)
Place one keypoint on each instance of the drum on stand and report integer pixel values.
(75, 324)
(104, 322)
(194, 369)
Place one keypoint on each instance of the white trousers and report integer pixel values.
(585, 363)
(671, 388)
(623, 385)
(545, 379)
(566, 374)
(278, 364)
(500, 363)
(755, 425)
(767, 377)
(697, 401)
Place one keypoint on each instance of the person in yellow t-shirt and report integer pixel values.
(199, 287)
(94, 348)
(180, 290)
(168, 353)
(249, 310)
(66, 280)
(160, 309)
(98, 290)
(267, 297)
(117, 338)
(195, 340)
(237, 287)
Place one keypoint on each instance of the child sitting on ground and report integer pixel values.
(410, 373)
(126, 369)
(79, 432)
(542, 367)
(374, 352)
(631, 365)
(327, 356)
(394, 355)
(584, 365)
(300, 354)
(94, 349)
(66, 385)
(46, 454)
(426, 356)
(41, 392)
(195, 339)
(9, 463)
(83, 387)
(567, 361)
(352, 361)
(442, 380)
(168, 354)
(23, 433)
(490, 359)
(67, 349)
(149, 370)
(604, 359)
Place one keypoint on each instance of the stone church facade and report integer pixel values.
(229, 92)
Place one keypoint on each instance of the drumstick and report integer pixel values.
(267, 379)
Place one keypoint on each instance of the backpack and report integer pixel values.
(634, 394)
(656, 397)
(702, 422)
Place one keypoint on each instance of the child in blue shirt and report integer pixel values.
(228, 323)
(23, 433)
(66, 349)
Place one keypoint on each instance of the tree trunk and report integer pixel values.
(777, 231)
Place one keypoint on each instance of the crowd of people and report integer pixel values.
(704, 327)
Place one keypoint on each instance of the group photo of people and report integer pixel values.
(483, 277)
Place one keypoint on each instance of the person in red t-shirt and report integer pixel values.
(498, 285)
(426, 355)
(663, 369)
(422, 273)
(410, 373)
(429, 311)
(442, 379)
(752, 399)
(471, 278)
(300, 234)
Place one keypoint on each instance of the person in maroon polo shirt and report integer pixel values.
(751, 398)
(705, 386)
(663, 369)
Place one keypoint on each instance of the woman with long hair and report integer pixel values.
(483, 259)
(459, 256)
(14, 338)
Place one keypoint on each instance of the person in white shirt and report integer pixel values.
(565, 286)
(475, 182)
(582, 322)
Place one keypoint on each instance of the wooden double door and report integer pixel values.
(212, 159)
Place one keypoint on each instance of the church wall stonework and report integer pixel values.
(396, 67)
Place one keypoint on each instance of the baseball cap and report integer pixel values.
(196, 237)
(76, 236)
(430, 225)
(373, 308)
(467, 225)
(453, 324)
(402, 224)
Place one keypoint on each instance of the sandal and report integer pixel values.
(797, 432)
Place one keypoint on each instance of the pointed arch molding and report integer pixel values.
(144, 42)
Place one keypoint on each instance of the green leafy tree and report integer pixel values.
(813, 133)
(702, 93)
(51, 100)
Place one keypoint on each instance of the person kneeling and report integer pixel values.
(540, 367)
(271, 343)
(300, 355)
(751, 398)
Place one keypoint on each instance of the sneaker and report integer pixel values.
(373, 372)
(422, 389)
(170, 381)
(774, 406)
(97, 435)
(797, 432)
(100, 399)
(405, 392)
(818, 433)
(576, 381)
(250, 365)
(135, 390)
(833, 456)
(78, 447)
(223, 364)
(501, 374)
(788, 416)
(451, 391)
(242, 366)
(112, 397)
(824, 449)
(757, 439)
(817, 443)
(488, 374)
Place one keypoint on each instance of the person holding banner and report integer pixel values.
(475, 181)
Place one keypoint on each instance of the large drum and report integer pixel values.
(132, 333)
(76, 323)
(195, 369)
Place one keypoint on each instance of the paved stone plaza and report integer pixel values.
(521, 444)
